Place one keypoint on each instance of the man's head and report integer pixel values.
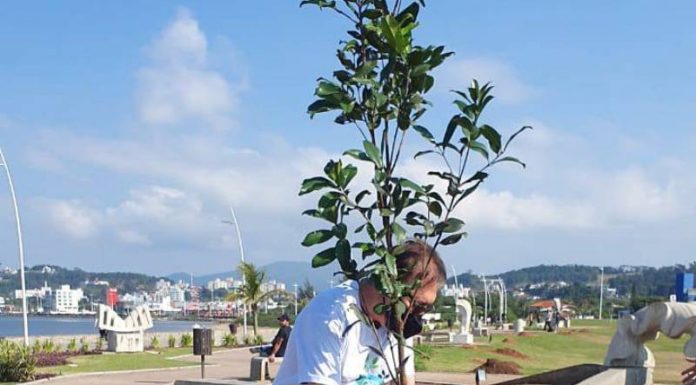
(418, 261)
(284, 320)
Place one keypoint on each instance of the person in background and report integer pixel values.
(280, 341)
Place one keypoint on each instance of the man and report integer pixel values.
(330, 344)
(280, 341)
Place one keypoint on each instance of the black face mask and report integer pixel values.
(412, 326)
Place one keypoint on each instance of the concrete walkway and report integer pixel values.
(227, 364)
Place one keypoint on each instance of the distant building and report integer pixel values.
(67, 300)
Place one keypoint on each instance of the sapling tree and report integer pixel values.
(380, 90)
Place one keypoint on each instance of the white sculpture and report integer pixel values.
(627, 348)
(464, 309)
(125, 335)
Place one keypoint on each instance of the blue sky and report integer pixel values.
(131, 128)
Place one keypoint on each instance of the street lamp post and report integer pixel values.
(3, 163)
(601, 291)
(241, 254)
(295, 299)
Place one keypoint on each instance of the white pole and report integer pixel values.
(21, 249)
(601, 291)
(241, 254)
(455, 292)
(485, 301)
(295, 299)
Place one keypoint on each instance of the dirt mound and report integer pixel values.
(525, 334)
(493, 366)
(510, 352)
(508, 341)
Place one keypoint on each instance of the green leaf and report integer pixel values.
(339, 230)
(317, 237)
(424, 152)
(452, 225)
(452, 239)
(406, 183)
(424, 132)
(390, 263)
(399, 232)
(435, 208)
(511, 159)
(480, 148)
(492, 136)
(326, 88)
(507, 143)
(357, 154)
(451, 127)
(343, 254)
(361, 195)
(373, 153)
(324, 258)
(314, 184)
(329, 199)
(349, 172)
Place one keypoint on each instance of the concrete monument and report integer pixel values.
(464, 309)
(124, 335)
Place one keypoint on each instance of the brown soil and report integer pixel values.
(511, 353)
(493, 366)
(508, 341)
(525, 334)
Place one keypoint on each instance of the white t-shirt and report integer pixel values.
(329, 344)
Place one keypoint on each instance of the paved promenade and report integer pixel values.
(227, 364)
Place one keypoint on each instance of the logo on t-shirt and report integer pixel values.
(374, 372)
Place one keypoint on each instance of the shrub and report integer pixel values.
(171, 341)
(258, 339)
(72, 346)
(84, 345)
(154, 343)
(229, 340)
(48, 346)
(36, 348)
(186, 340)
(248, 340)
(100, 345)
(17, 364)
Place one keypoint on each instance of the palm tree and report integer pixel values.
(251, 292)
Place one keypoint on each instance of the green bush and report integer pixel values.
(36, 347)
(47, 346)
(229, 340)
(17, 364)
(84, 345)
(72, 346)
(186, 340)
(248, 340)
(154, 343)
(171, 341)
(100, 345)
(258, 339)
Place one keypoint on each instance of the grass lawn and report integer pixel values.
(122, 361)
(586, 342)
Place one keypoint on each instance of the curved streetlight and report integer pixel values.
(21, 249)
(241, 253)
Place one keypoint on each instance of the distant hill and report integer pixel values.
(56, 275)
(288, 272)
(642, 280)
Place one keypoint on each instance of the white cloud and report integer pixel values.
(509, 88)
(73, 218)
(180, 84)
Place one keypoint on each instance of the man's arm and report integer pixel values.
(275, 348)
